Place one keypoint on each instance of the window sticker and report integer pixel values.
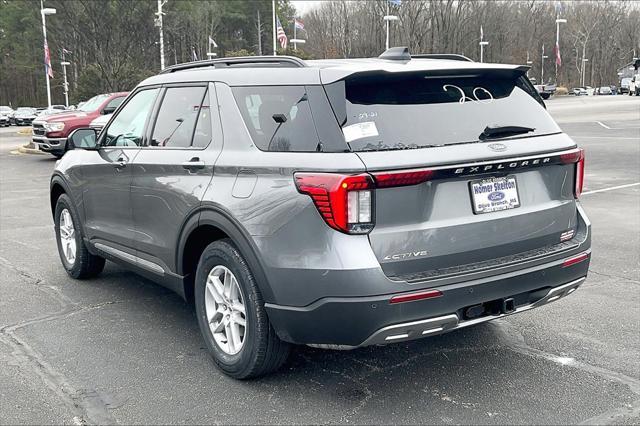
(355, 131)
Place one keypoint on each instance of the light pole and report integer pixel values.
(158, 23)
(558, 22)
(43, 12)
(388, 18)
(542, 58)
(66, 84)
(584, 61)
(482, 45)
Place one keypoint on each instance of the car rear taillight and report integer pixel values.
(404, 178)
(344, 201)
(576, 157)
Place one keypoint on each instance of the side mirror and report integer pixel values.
(83, 138)
(108, 110)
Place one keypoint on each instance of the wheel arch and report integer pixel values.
(212, 223)
(57, 188)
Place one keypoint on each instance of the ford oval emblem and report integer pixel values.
(499, 147)
(496, 196)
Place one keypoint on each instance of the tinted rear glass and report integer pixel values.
(413, 110)
(289, 118)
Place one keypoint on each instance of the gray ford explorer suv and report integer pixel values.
(333, 203)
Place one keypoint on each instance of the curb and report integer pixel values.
(27, 150)
(25, 132)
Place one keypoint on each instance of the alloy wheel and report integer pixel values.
(67, 236)
(225, 310)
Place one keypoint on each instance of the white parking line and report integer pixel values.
(615, 128)
(613, 188)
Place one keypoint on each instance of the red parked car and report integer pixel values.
(50, 133)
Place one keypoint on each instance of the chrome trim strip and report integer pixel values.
(146, 264)
(432, 326)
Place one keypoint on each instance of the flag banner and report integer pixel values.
(282, 36)
(66, 51)
(47, 61)
(481, 33)
(298, 23)
(212, 42)
(194, 55)
(556, 51)
(396, 2)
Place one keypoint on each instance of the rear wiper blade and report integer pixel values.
(503, 131)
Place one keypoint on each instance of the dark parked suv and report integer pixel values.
(334, 203)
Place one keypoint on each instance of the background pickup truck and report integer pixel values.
(545, 90)
(50, 132)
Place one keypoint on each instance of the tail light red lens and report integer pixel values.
(576, 157)
(344, 201)
(386, 180)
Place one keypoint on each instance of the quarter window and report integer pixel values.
(278, 118)
(182, 108)
(127, 127)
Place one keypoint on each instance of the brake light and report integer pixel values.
(386, 180)
(578, 158)
(344, 201)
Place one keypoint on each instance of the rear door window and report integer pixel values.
(177, 118)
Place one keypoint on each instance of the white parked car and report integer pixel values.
(100, 122)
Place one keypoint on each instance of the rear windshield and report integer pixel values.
(379, 111)
(390, 111)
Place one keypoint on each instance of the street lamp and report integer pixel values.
(542, 58)
(43, 12)
(584, 61)
(388, 18)
(482, 45)
(66, 84)
(558, 22)
(297, 41)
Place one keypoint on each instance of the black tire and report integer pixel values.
(85, 265)
(262, 351)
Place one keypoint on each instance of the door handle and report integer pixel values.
(193, 164)
(120, 163)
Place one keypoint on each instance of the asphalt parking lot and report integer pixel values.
(120, 349)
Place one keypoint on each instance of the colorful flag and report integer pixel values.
(298, 23)
(282, 37)
(47, 60)
(396, 2)
(556, 51)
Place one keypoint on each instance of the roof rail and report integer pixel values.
(240, 61)
(449, 56)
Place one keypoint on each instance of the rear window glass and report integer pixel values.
(379, 111)
(289, 118)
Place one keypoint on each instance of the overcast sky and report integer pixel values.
(303, 6)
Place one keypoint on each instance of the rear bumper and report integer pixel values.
(360, 321)
(353, 320)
